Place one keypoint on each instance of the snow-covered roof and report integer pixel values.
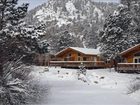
(85, 51)
(130, 49)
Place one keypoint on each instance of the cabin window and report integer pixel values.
(65, 59)
(79, 54)
(107, 61)
(84, 59)
(69, 55)
(137, 60)
(79, 59)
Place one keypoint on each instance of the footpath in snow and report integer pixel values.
(65, 89)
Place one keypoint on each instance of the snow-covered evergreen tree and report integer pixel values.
(10, 17)
(33, 37)
(17, 41)
(117, 34)
(128, 3)
(91, 36)
(65, 40)
(135, 10)
(43, 47)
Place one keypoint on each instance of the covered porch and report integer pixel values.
(76, 64)
(128, 67)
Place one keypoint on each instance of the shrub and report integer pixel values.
(134, 87)
(14, 87)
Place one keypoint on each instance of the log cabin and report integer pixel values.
(131, 60)
(131, 55)
(74, 56)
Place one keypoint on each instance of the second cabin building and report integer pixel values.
(131, 55)
(131, 60)
(74, 56)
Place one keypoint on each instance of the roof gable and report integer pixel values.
(85, 51)
(130, 49)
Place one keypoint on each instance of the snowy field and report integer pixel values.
(101, 87)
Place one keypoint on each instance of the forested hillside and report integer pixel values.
(78, 21)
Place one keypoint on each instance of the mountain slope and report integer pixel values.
(81, 18)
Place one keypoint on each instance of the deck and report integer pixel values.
(76, 64)
(128, 67)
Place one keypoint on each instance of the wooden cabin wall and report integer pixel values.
(129, 57)
(64, 55)
(75, 57)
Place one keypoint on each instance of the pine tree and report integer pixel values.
(10, 17)
(17, 41)
(91, 38)
(43, 47)
(126, 2)
(65, 40)
(33, 37)
(117, 34)
(135, 10)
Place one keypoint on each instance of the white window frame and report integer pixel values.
(137, 57)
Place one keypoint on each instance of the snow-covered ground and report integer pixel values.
(102, 87)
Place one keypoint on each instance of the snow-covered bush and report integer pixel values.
(17, 86)
(37, 91)
(17, 41)
(14, 87)
(82, 69)
(134, 87)
(81, 73)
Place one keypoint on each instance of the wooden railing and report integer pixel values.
(128, 67)
(74, 64)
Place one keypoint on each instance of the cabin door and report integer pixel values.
(136, 60)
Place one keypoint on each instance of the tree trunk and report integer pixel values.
(1, 70)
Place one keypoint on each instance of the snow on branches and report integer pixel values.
(17, 42)
(118, 34)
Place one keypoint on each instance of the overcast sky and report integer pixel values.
(34, 3)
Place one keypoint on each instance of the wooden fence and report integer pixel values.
(128, 67)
